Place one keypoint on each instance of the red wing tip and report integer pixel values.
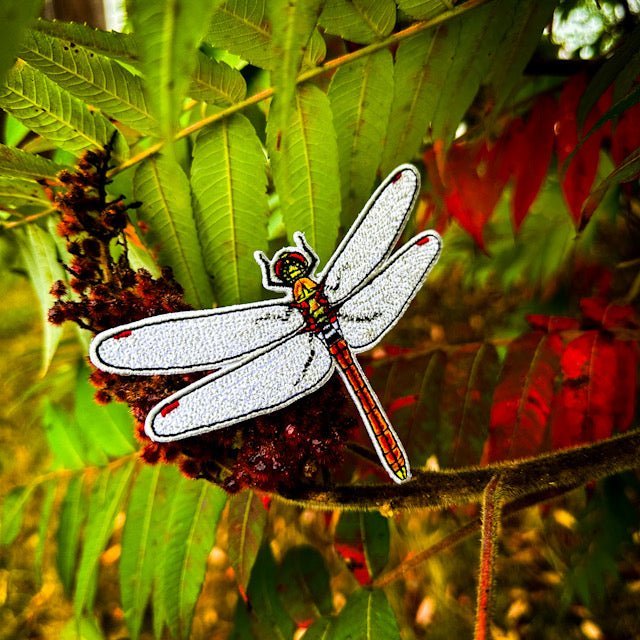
(122, 334)
(169, 408)
(428, 238)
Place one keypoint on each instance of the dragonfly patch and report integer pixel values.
(270, 354)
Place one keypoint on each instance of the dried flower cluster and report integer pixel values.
(273, 452)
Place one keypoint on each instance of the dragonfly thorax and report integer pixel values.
(310, 299)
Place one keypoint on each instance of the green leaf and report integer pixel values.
(269, 619)
(246, 520)
(168, 34)
(303, 584)
(416, 87)
(424, 9)
(121, 46)
(92, 77)
(293, 22)
(147, 512)
(18, 163)
(228, 180)
(18, 192)
(319, 630)
(360, 21)
(108, 428)
(316, 50)
(216, 82)
(14, 131)
(60, 431)
(628, 170)
(163, 188)
(107, 496)
(375, 537)
(241, 27)
(525, 22)
(361, 103)
(471, 376)
(12, 514)
(43, 527)
(15, 17)
(624, 59)
(54, 113)
(617, 109)
(419, 425)
(189, 537)
(437, 76)
(304, 160)
(81, 629)
(366, 616)
(72, 516)
(472, 45)
(367, 530)
(71, 441)
(40, 257)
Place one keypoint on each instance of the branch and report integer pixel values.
(330, 65)
(440, 489)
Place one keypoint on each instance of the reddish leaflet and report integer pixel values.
(467, 181)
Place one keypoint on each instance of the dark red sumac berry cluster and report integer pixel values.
(297, 445)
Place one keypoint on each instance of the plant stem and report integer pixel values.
(491, 515)
(14, 224)
(330, 65)
(440, 489)
(462, 533)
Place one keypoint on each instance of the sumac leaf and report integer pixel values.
(246, 520)
(523, 399)
(533, 148)
(303, 584)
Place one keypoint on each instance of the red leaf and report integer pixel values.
(625, 398)
(572, 421)
(353, 555)
(400, 403)
(471, 220)
(597, 396)
(523, 398)
(626, 135)
(607, 314)
(531, 149)
(476, 177)
(578, 179)
(552, 324)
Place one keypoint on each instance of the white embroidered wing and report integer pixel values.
(373, 235)
(193, 340)
(369, 314)
(251, 388)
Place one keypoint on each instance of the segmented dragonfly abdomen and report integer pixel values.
(370, 410)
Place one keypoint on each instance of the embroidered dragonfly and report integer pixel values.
(270, 354)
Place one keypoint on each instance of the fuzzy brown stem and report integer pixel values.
(441, 489)
(491, 514)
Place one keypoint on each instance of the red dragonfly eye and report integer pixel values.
(287, 259)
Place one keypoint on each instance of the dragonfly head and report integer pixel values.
(291, 266)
